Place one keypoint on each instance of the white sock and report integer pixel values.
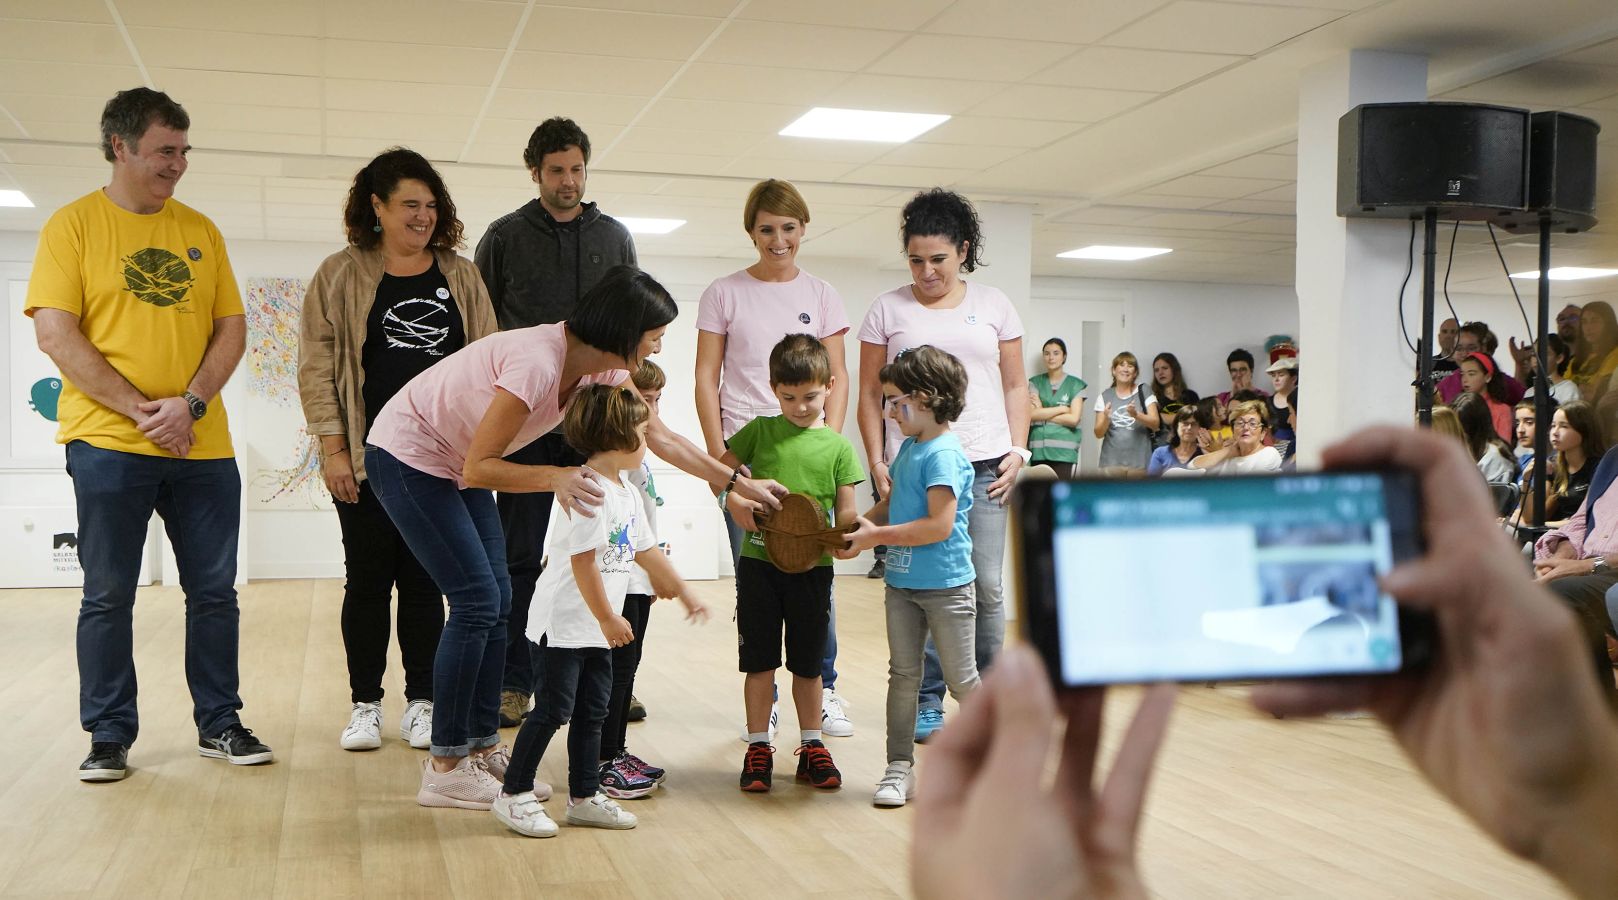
(758, 737)
(808, 735)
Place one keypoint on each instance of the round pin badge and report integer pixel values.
(804, 318)
(443, 293)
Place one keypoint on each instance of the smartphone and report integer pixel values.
(1218, 578)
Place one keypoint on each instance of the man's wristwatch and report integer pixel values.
(199, 407)
(1598, 564)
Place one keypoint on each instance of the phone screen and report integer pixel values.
(1217, 578)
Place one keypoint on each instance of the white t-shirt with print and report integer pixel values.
(616, 532)
(641, 479)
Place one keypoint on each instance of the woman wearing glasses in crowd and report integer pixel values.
(1249, 422)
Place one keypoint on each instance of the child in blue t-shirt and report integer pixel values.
(929, 559)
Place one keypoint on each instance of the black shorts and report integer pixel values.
(768, 599)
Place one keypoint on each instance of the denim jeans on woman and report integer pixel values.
(986, 524)
(455, 534)
(916, 617)
(200, 502)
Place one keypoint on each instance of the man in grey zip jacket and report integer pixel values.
(537, 262)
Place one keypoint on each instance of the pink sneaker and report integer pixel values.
(498, 760)
(467, 786)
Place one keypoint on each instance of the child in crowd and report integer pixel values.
(1524, 416)
(929, 562)
(797, 450)
(577, 607)
(625, 776)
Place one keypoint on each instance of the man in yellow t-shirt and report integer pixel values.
(133, 298)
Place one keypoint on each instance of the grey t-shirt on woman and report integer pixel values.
(1128, 443)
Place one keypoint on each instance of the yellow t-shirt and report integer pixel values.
(146, 289)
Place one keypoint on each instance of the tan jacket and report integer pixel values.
(332, 336)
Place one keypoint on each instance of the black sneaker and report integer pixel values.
(637, 710)
(107, 762)
(879, 569)
(815, 766)
(236, 744)
(757, 767)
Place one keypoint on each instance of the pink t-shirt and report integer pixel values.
(972, 332)
(754, 316)
(429, 424)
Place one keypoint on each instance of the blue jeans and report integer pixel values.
(986, 524)
(455, 535)
(200, 502)
(828, 663)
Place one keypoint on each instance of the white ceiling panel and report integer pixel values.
(1551, 85)
(754, 84)
(283, 17)
(1069, 21)
(1258, 165)
(208, 119)
(1045, 103)
(1199, 26)
(996, 131)
(72, 42)
(708, 142)
(789, 46)
(991, 59)
(788, 169)
(1126, 69)
(232, 51)
(457, 23)
(577, 73)
(59, 10)
(947, 156)
(188, 86)
(1212, 186)
(898, 93)
(68, 79)
(899, 16)
(31, 108)
(408, 63)
(388, 96)
(666, 163)
(537, 106)
(597, 32)
(764, 118)
(360, 148)
(917, 177)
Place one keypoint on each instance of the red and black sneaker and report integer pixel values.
(815, 766)
(757, 767)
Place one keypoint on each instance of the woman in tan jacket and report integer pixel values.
(379, 312)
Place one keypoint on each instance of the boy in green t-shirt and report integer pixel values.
(798, 450)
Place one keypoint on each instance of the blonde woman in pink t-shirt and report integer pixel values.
(435, 457)
(740, 319)
(978, 325)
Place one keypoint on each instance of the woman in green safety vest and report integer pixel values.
(1056, 401)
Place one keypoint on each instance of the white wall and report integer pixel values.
(1198, 322)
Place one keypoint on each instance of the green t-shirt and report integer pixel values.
(1048, 441)
(813, 461)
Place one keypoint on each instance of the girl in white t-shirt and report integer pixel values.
(578, 608)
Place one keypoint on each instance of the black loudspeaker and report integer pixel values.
(1561, 174)
(1468, 161)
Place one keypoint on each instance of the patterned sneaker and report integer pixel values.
(775, 722)
(497, 761)
(646, 768)
(815, 766)
(108, 761)
(417, 724)
(523, 814)
(928, 721)
(622, 781)
(637, 710)
(467, 786)
(513, 708)
(897, 786)
(833, 719)
(364, 731)
(237, 745)
(600, 812)
(757, 768)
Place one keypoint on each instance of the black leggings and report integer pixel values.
(574, 688)
(625, 660)
(376, 560)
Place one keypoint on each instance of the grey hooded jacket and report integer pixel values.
(537, 268)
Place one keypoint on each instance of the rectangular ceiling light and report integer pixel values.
(1102, 251)
(638, 225)
(15, 198)
(1568, 273)
(862, 125)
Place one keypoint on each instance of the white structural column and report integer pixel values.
(1008, 246)
(1354, 366)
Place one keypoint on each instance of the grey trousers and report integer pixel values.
(950, 614)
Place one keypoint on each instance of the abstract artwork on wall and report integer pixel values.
(273, 305)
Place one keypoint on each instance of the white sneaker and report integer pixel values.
(775, 722)
(833, 720)
(897, 786)
(599, 812)
(364, 731)
(417, 724)
(524, 815)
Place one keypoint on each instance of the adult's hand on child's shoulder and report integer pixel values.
(578, 491)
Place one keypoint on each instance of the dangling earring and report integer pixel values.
(377, 227)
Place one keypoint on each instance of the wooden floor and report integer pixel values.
(1244, 806)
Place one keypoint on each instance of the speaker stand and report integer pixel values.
(1424, 352)
(1542, 390)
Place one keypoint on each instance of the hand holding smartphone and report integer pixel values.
(1216, 579)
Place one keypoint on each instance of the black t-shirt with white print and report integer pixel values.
(413, 324)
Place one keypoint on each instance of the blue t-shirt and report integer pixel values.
(947, 563)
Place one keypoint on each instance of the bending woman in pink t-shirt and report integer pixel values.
(740, 318)
(977, 325)
(434, 458)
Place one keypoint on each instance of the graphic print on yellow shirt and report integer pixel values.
(146, 290)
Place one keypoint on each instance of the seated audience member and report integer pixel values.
(1447, 423)
(1524, 421)
(1283, 404)
(1595, 353)
(1249, 420)
(1478, 376)
(1575, 561)
(1443, 363)
(1576, 437)
(1240, 366)
(1475, 337)
(1493, 457)
(1503, 723)
(1211, 423)
(1557, 355)
(1181, 448)
(1168, 384)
